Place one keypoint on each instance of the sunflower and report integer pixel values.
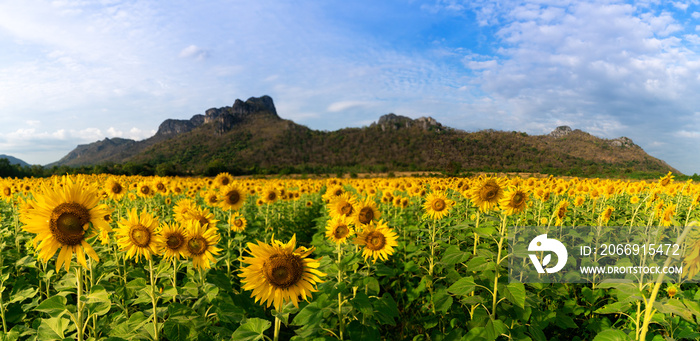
(668, 213)
(232, 198)
(666, 179)
(6, 190)
(237, 222)
(487, 194)
(114, 189)
(692, 259)
(270, 195)
(605, 216)
(137, 236)
(223, 179)
(160, 186)
(182, 209)
(211, 198)
(436, 205)
(560, 212)
(172, 242)
(278, 273)
(203, 216)
(366, 212)
(342, 205)
(61, 217)
(378, 241)
(145, 190)
(514, 201)
(338, 229)
(201, 244)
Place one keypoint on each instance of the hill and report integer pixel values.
(249, 137)
(13, 160)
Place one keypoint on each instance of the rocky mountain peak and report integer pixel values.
(560, 131)
(394, 122)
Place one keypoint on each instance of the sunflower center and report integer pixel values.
(439, 205)
(233, 197)
(224, 181)
(197, 245)
(366, 215)
(271, 196)
(203, 221)
(145, 189)
(140, 235)
(375, 241)
(7, 191)
(160, 187)
(283, 270)
(238, 223)
(116, 188)
(67, 221)
(338, 192)
(489, 191)
(212, 199)
(174, 241)
(346, 209)
(518, 200)
(341, 231)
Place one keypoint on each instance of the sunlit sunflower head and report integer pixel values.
(278, 273)
(666, 180)
(332, 192)
(137, 235)
(237, 222)
(201, 244)
(203, 216)
(160, 186)
(378, 241)
(366, 212)
(634, 199)
(691, 262)
(339, 228)
(270, 195)
(605, 215)
(172, 243)
(211, 198)
(343, 204)
(223, 179)
(487, 193)
(437, 205)
(560, 212)
(667, 215)
(514, 201)
(61, 216)
(232, 197)
(114, 189)
(182, 209)
(6, 191)
(579, 201)
(145, 190)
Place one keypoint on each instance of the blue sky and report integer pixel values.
(74, 72)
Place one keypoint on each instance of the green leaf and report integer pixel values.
(565, 321)
(386, 310)
(361, 303)
(611, 335)
(494, 328)
(464, 286)
(442, 301)
(53, 305)
(614, 308)
(251, 330)
(176, 330)
(310, 315)
(454, 255)
(98, 301)
(515, 292)
(53, 328)
(23, 295)
(677, 307)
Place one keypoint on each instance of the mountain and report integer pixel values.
(13, 160)
(250, 137)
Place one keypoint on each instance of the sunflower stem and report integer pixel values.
(79, 303)
(341, 321)
(175, 277)
(278, 325)
(2, 308)
(154, 301)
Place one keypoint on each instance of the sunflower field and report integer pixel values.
(104, 257)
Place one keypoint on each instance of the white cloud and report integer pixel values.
(194, 52)
(346, 105)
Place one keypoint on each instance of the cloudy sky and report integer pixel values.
(73, 72)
